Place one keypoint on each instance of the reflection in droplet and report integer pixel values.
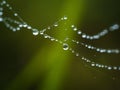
(65, 46)
(35, 32)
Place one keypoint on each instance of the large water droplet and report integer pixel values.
(65, 46)
(35, 32)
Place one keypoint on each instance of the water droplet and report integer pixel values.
(1, 9)
(73, 51)
(96, 36)
(1, 19)
(72, 26)
(75, 29)
(77, 54)
(114, 27)
(93, 64)
(84, 36)
(41, 32)
(10, 8)
(117, 51)
(4, 2)
(109, 68)
(29, 27)
(79, 32)
(25, 25)
(46, 36)
(15, 14)
(65, 18)
(109, 51)
(20, 25)
(14, 29)
(55, 25)
(49, 27)
(65, 46)
(115, 68)
(119, 68)
(18, 28)
(52, 39)
(1, 13)
(7, 5)
(35, 32)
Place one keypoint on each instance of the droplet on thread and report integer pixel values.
(55, 25)
(77, 54)
(79, 32)
(75, 29)
(65, 46)
(1, 19)
(35, 32)
(1, 13)
(65, 18)
(15, 14)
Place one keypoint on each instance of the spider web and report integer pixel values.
(14, 22)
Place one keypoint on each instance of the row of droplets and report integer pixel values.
(22, 24)
(93, 64)
(96, 36)
(100, 50)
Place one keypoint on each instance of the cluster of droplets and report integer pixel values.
(16, 25)
(1, 14)
(93, 64)
(101, 50)
(96, 36)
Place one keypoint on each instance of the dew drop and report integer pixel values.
(65, 18)
(25, 25)
(18, 28)
(1, 19)
(1, 13)
(14, 29)
(1, 9)
(115, 68)
(4, 2)
(46, 36)
(35, 32)
(109, 68)
(79, 32)
(93, 64)
(65, 46)
(55, 25)
(84, 36)
(114, 27)
(72, 26)
(49, 27)
(29, 27)
(52, 39)
(20, 25)
(75, 29)
(77, 54)
(15, 14)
